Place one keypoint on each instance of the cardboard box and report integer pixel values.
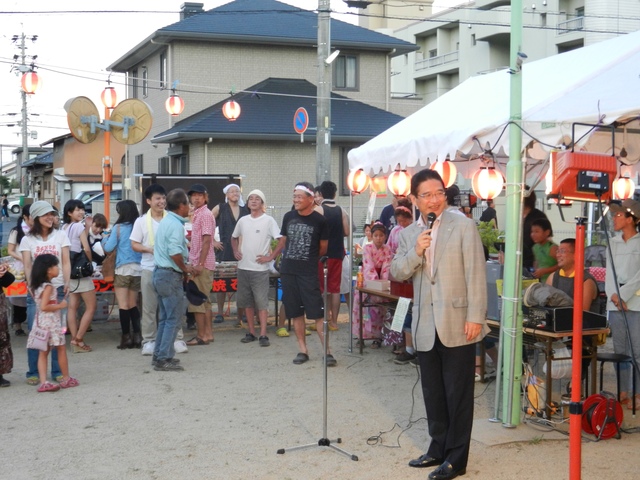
(380, 285)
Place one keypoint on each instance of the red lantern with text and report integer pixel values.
(487, 183)
(109, 97)
(358, 181)
(231, 110)
(30, 82)
(447, 171)
(399, 183)
(623, 187)
(174, 105)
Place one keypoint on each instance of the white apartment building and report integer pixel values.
(474, 38)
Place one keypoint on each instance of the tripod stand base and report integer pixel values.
(323, 442)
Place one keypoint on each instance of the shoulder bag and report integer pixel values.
(109, 262)
(38, 338)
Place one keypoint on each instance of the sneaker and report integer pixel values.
(180, 346)
(404, 358)
(248, 338)
(147, 348)
(414, 361)
(175, 361)
(264, 341)
(20, 333)
(282, 332)
(331, 361)
(168, 366)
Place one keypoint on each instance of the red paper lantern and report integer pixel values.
(231, 110)
(30, 82)
(487, 183)
(624, 187)
(399, 183)
(447, 171)
(109, 97)
(358, 181)
(174, 105)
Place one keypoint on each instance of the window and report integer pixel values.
(138, 164)
(344, 171)
(134, 83)
(433, 53)
(163, 165)
(580, 12)
(163, 70)
(345, 72)
(180, 165)
(473, 39)
(145, 82)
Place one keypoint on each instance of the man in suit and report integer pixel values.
(446, 263)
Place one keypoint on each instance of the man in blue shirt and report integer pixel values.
(170, 255)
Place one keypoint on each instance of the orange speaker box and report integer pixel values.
(581, 175)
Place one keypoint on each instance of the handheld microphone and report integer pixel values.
(431, 217)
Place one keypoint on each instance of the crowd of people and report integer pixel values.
(439, 250)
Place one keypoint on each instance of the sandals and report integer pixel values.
(376, 344)
(48, 387)
(282, 332)
(248, 338)
(33, 381)
(196, 341)
(301, 358)
(69, 383)
(218, 319)
(79, 346)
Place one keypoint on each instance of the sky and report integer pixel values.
(76, 42)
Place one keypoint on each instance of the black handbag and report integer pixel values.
(81, 266)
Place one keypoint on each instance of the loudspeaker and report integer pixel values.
(494, 303)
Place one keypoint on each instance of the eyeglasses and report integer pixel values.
(439, 195)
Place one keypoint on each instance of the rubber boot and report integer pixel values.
(137, 340)
(125, 342)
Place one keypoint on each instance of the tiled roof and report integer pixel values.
(267, 114)
(266, 22)
(42, 159)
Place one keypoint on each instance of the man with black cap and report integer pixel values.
(203, 260)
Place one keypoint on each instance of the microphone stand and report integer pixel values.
(324, 441)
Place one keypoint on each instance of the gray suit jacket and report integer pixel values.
(457, 292)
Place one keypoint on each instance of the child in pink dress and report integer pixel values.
(376, 261)
(45, 268)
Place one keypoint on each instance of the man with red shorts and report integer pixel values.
(338, 226)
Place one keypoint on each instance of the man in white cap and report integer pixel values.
(227, 215)
(251, 243)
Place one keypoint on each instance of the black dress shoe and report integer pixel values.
(424, 461)
(446, 472)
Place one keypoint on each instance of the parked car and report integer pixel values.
(14, 206)
(116, 195)
(86, 195)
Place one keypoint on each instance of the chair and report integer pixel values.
(595, 256)
(617, 359)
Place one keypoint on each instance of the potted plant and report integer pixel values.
(490, 236)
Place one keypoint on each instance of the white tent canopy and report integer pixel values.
(595, 84)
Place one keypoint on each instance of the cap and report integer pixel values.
(197, 188)
(40, 208)
(628, 205)
(194, 295)
(258, 193)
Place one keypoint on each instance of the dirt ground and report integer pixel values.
(236, 405)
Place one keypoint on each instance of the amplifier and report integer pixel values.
(560, 319)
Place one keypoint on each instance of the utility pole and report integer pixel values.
(23, 68)
(323, 133)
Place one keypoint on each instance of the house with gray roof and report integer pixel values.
(265, 52)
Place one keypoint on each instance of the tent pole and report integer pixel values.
(511, 351)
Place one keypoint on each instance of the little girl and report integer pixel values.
(45, 268)
(376, 263)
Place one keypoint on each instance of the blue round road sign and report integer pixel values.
(300, 120)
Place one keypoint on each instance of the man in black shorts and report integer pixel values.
(305, 235)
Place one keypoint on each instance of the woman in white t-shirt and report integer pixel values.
(81, 288)
(44, 238)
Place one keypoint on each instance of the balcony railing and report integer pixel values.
(437, 61)
(572, 25)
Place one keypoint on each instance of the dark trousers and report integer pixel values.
(448, 381)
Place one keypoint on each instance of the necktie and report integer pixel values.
(432, 248)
